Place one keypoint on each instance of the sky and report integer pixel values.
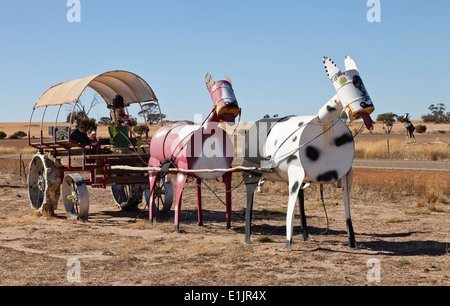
(272, 50)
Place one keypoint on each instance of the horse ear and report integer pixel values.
(330, 68)
(228, 79)
(209, 81)
(350, 64)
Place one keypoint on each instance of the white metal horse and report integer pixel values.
(306, 149)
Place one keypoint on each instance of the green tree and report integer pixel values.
(81, 118)
(20, 134)
(437, 114)
(104, 120)
(83, 122)
(140, 129)
(150, 111)
(388, 120)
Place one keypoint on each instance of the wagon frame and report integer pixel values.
(55, 169)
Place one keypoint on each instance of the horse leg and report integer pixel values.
(301, 202)
(347, 184)
(251, 180)
(181, 181)
(153, 177)
(199, 201)
(296, 176)
(227, 178)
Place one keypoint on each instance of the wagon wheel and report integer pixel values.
(43, 184)
(127, 197)
(163, 195)
(75, 197)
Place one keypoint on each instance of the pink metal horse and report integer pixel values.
(197, 147)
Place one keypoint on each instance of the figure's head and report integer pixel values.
(350, 90)
(118, 108)
(222, 94)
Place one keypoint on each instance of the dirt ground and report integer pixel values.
(121, 248)
(407, 245)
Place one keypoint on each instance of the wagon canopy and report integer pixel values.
(129, 85)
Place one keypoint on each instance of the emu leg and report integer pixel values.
(347, 184)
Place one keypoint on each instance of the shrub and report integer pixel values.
(140, 129)
(17, 135)
(421, 128)
(2, 135)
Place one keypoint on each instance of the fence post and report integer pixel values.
(389, 154)
(20, 164)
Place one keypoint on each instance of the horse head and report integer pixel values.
(226, 107)
(350, 90)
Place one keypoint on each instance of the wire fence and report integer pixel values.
(380, 164)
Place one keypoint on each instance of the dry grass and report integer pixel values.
(13, 166)
(14, 150)
(402, 150)
(430, 189)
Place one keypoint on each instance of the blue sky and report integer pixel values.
(272, 50)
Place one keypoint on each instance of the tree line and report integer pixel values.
(437, 115)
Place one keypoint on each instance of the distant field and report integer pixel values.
(432, 145)
(11, 127)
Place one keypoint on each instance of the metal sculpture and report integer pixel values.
(51, 170)
(196, 147)
(410, 128)
(309, 149)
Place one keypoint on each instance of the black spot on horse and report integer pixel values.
(340, 141)
(331, 109)
(275, 144)
(328, 176)
(300, 124)
(312, 153)
(295, 187)
(291, 158)
(295, 139)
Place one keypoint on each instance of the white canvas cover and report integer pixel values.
(129, 85)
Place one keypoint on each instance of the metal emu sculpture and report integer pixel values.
(410, 128)
(197, 147)
(308, 149)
